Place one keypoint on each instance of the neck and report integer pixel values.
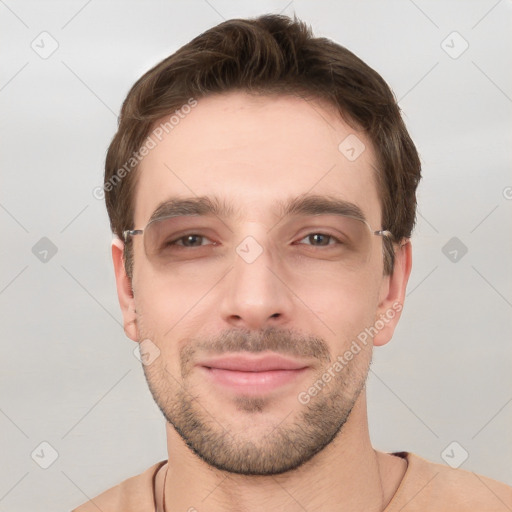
(346, 475)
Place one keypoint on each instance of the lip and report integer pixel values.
(252, 375)
(244, 363)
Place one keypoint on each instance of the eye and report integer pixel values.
(320, 239)
(188, 241)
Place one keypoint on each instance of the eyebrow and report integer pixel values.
(305, 204)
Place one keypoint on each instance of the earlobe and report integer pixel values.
(124, 290)
(392, 296)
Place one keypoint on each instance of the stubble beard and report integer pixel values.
(287, 445)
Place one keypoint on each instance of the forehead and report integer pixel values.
(255, 153)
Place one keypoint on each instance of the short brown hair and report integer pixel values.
(271, 54)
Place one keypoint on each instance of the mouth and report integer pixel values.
(253, 375)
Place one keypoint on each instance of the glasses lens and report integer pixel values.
(341, 238)
(158, 236)
(355, 241)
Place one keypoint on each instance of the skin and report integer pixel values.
(254, 152)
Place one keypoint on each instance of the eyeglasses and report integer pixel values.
(352, 237)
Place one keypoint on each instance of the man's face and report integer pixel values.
(255, 283)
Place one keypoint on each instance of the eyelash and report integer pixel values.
(337, 240)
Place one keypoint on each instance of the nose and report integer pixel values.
(256, 293)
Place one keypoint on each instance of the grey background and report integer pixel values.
(68, 375)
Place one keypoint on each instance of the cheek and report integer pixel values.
(173, 287)
(172, 307)
(344, 303)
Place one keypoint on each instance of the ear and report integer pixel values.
(392, 295)
(124, 290)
